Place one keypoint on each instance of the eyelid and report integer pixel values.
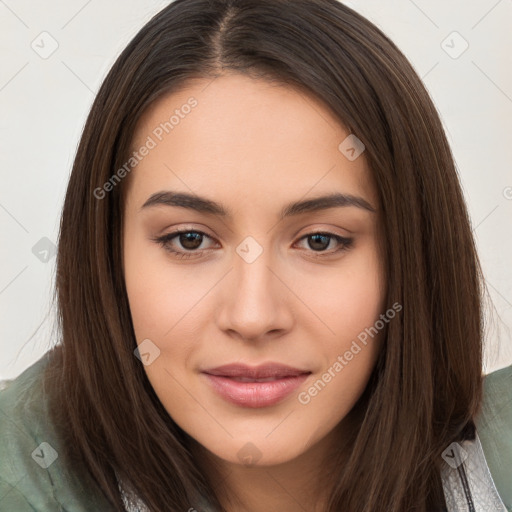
(164, 240)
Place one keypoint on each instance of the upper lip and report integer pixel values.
(263, 371)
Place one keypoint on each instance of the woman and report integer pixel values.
(268, 288)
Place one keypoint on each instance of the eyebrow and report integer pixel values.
(204, 205)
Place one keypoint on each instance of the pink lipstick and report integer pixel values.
(255, 386)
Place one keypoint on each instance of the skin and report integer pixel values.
(254, 147)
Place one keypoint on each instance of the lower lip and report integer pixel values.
(255, 394)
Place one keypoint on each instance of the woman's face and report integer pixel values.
(250, 285)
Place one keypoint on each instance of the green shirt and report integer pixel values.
(34, 478)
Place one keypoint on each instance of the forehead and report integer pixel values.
(262, 139)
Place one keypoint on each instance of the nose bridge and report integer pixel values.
(254, 303)
(254, 280)
(252, 270)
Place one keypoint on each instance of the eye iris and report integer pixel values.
(189, 240)
(323, 240)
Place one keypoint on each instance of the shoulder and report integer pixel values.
(494, 427)
(33, 474)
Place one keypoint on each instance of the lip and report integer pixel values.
(242, 385)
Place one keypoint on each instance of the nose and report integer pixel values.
(254, 304)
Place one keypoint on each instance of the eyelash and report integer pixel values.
(164, 241)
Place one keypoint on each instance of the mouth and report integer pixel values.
(255, 387)
(250, 379)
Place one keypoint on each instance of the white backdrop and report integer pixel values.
(54, 55)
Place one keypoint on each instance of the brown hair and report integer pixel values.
(426, 387)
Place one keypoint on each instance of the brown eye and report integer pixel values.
(319, 242)
(190, 240)
(183, 243)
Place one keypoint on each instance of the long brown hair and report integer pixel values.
(426, 387)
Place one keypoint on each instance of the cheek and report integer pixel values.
(347, 299)
(349, 356)
(353, 312)
(332, 395)
(143, 289)
(163, 301)
(153, 302)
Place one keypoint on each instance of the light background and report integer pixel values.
(44, 103)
